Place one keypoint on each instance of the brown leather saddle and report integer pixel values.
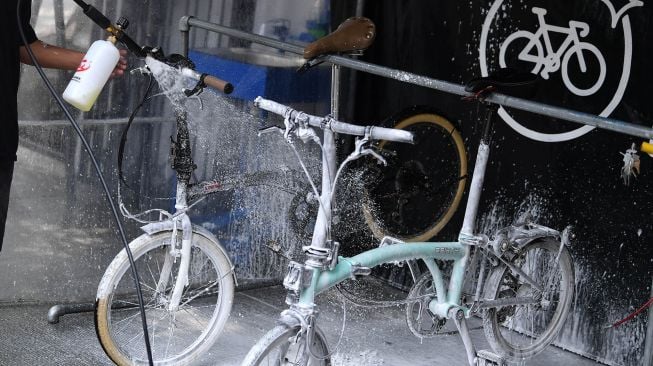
(351, 37)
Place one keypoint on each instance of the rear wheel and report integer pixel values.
(522, 331)
(284, 345)
(416, 195)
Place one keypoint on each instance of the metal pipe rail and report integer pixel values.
(611, 124)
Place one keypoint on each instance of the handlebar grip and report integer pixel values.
(270, 106)
(221, 85)
(376, 133)
(647, 147)
(391, 134)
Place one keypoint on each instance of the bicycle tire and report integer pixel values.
(499, 322)
(281, 337)
(211, 286)
(430, 207)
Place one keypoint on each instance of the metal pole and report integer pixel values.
(59, 23)
(648, 345)
(610, 124)
(185, 30)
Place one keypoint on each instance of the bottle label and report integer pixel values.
(83, 66)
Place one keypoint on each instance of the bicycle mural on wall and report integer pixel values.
(582, 65)
(546, 59)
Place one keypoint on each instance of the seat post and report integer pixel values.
(490, 115)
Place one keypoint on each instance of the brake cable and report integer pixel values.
(87, 147)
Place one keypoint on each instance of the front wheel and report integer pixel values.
(286, 345)
(518, 332)
(176, 337)
(586, 83)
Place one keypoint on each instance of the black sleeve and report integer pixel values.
(25, 15)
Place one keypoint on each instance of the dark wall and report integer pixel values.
(575, 182)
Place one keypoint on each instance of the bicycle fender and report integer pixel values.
(525, 234)
(161, 226)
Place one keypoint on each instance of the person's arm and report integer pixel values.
(62, 58)
(52, 56)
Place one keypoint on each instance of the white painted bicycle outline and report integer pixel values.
(550, 62)
(610, 107)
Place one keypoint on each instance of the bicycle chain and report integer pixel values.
(377, 303)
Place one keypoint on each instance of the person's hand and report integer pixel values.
(121, 66)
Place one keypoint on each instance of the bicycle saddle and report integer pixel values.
(501, 80)
(354, 34)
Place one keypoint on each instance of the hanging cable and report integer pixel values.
(75, 125)
(123, 138)
(633, 314)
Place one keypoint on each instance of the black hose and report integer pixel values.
(123, 138)
(100, 176)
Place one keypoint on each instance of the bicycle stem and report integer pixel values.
(321, 230)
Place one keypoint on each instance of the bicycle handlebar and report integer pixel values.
(376, 133)
(219, 84)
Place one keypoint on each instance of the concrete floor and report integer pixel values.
(372, 338)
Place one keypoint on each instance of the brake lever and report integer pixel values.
(375, 155)
(270, 129)
(360, 149)
(196, 91)
(144, 70)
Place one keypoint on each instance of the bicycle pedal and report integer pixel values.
(488, 358)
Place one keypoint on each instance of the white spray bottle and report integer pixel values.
(92, 73)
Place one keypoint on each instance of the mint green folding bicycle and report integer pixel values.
(524, 282)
